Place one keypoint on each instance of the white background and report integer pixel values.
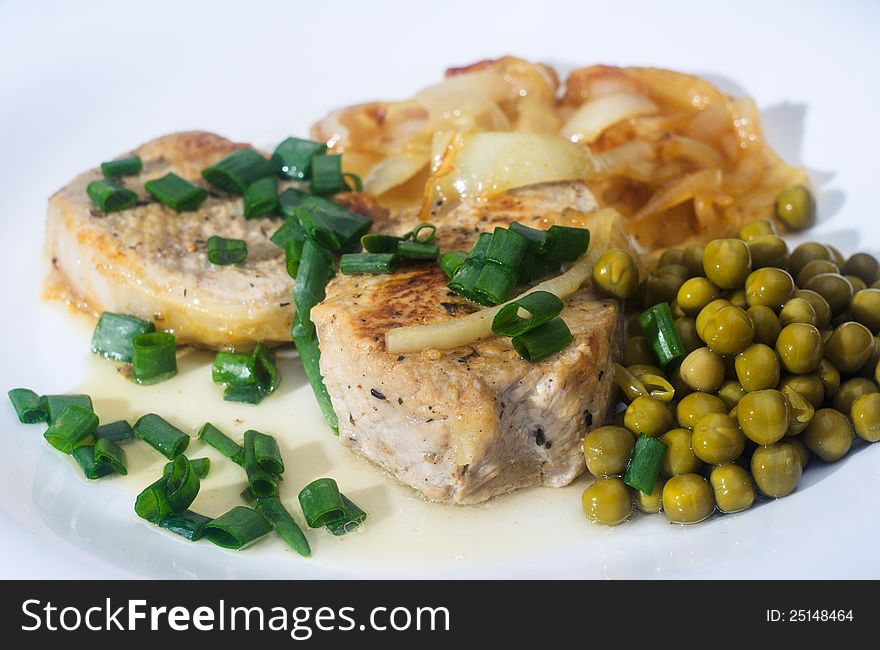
(81, 82)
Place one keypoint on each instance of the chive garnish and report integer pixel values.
(152, 504)
(566, 244)
(284, 524)
(506, 248)
(644, 466)
(114, 335)
(189, 525)
(310, 357)
(290, 230)
(541, 342)
(494, 284)
(176, 192)
(118, 431)
(352, 517)
(346, 225)
(54, 405)
(315, 271)
(233, 368)
(222, 251)
(238, 170)
(109, 453)
(212, 436)
(248, 378)
(321, 503)
(659, 328)
(267, 454)
(163, 436)
(154, 358)
(237, 528)
(380, 243)
(542, 307)
(293, 250)
(413, 250)
(122, 167)
(466, 276)
(293, 158)
(451, 262)
(91, 467)
(72, 428)
(327, 174)
(353, 182)
(28, 406)
(261, 198)
(368, 263)
(417, 234)
(110, 195)
(261, 482)
(201, 466)
(182, 484)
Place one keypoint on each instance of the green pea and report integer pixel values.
(607, 501)
(804, 253)
(757, 228)
(850, 347)
(799, 347)
(865, 308)
(679, 457)
(616, 274)
(819, 305)
(763, 416)
(830, 378)
(730, 331)
(796, 207)
(766, 324)
(757, 368)
(813, 268)
(768, 250)
(776, 469)
(797, 310)
(769, 286)
(731, 392)
(717, 439)
(809, 385)
(692, 260)
(703, 370)
(829, 435)
(733, 488)
(851, 390)
(836, 290)
(865, 416)
(651, 503)
(687, 499)
(727, 262)
(649, 416)
(695, 294)
(694, 406)
(864, 266)
(687, 332)
(637, 349)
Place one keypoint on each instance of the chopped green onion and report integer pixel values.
(28, 406)
(318, 229)
(310, 356)
(347, 226)
(315, 271)
(114, 335)
(266, 453)
(321, 502)
(506, 248)
(417, 236)
(352, 517)
(261, 482)
(213, 437)
(289, 230)
(54, 405)
(380, 243)
(182, 485)
(244, 393)
(537, 238)
(201, 466)
(368, 263)
(327, 174)
(264, 364)
(566, 244)
(412, 250)
(644, 465)
(542, 306)
(122, 167)
(222, 251)
(542, 341)
(238, 170)
(465, 279)
(177, 193)
(72, 428)
(118, 431)
(233, 368)
(293, 158)
(110, 195)
(91, 467)
(451, 262)
(152, 504)
(164, 437)
(353, 182)
(494, 284)
(189, 525)
(237, 528)
(284, 524)
(293, 250)
(109, 453)
(154, 358)
(659, 328)
(261, 198)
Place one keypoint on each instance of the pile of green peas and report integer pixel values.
(782, 365)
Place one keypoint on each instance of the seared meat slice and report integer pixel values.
(467, 424)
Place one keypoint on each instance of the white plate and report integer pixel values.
(79, 84)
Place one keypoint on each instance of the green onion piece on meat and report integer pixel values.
(201, 466)
(54, 405)
(110, 195)
(248, 378)
(368, 263)
(321, 502)
(189, 525)
(261, 482)
(264, 364)
(293, 250)
(182, 484)
(284, 524)
(353, 182)
(506, 248)
(566, 244)
(109, 453)
(494, 284)
(318, 229)
(162, 436)
(28, 406)
(118, 431)
(542, 341)
(424, 233)
(222, 251)
(233, 368)
(289, 230)
(542, 307)
(537, 238)
(451, 262)
(122, 167)
(380, 243)
(237, 528)
(73, 428)
(114, 335)
(213, 437)
(177, 193)
(154, 358)
(347, 226)
(465, 279)
(327, 174)
(293, 158)
(315, 271)
(310, 356)
(659, 328)
(244, 394)
(261, 198)
(152, 504)
(267, 454)
(352, 517)
(412, 250)
(91, 467)
(644, 466)
(239, 169)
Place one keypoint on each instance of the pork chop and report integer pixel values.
(467, 424)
